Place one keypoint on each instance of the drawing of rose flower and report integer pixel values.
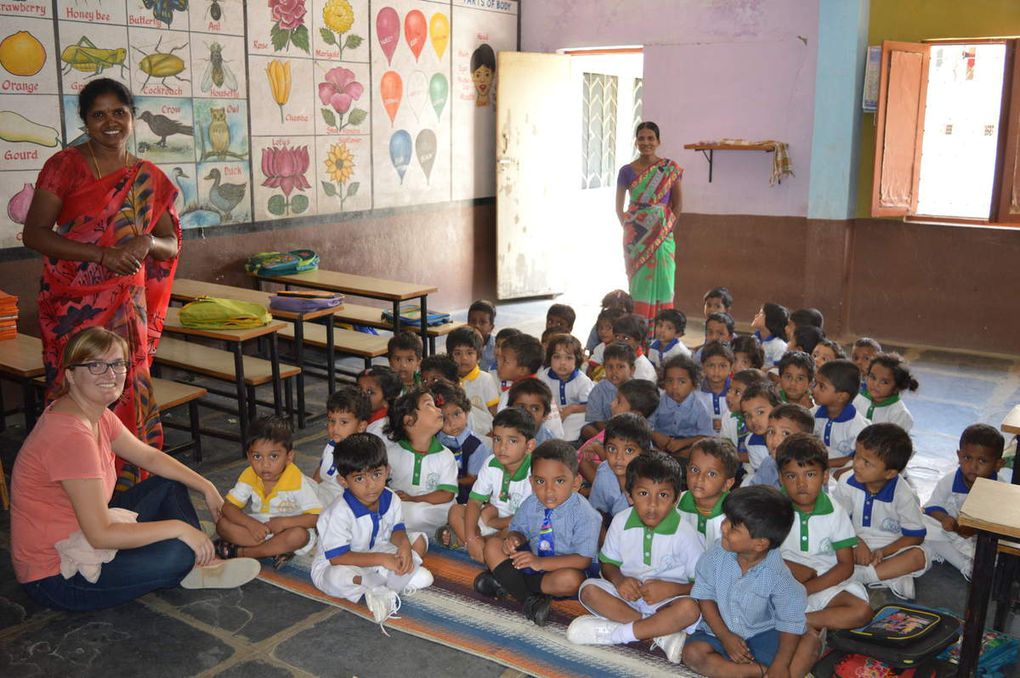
(340, 91)
(289, 24)
(285, 169)
(340, 167)
(339, 18)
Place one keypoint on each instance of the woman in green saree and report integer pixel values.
(649, 222)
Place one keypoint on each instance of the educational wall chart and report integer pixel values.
(265, 109)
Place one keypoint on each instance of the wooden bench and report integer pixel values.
(370, 316)
(21, 362)
(170, 394)
(219, 364)
(359, 344)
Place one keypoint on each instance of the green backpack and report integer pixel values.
(282, 263)
(215, 313)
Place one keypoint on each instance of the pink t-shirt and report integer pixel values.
(60, 447)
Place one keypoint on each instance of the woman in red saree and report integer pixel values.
(649, 222)
(110, 261)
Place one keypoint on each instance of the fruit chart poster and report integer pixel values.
(266, 109)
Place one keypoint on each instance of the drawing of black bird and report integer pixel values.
(164, 127)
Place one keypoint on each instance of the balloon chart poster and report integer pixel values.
(265, 109)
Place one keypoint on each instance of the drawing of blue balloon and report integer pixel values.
(439, 91)
(400, 151)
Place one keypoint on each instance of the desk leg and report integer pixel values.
(977, 603)
(330, 356)
(429, 346)
(396, 318)
(28, 398)
(242, 396)
(274, 357)
(299, 358)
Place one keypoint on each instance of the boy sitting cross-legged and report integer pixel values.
(648, 564)
(627, 436)
(283, 503)
(752, 608)
(980, 456)
(364, 548)
(819, 547)
(503, 483)
(710, 475)
(553, 537)
(885, 512)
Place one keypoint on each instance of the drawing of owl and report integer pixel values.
(219, 132)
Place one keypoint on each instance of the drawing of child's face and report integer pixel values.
(482, 78)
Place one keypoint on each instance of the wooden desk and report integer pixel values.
(21, 361)
(188, 290)
(1011, 424)
(355, 314)
(359, 286)
(235, 339)
(993, 509)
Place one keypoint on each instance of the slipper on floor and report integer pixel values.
(282, 559)
(223, 574)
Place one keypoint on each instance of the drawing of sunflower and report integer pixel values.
(340, 168)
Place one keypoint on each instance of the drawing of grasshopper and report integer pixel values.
(84, 56)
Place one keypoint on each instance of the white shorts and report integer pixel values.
(818, 601)
(639, 605)
(420, 516)
(916, 573)
(338, 580)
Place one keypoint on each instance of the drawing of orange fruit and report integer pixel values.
(22, 54)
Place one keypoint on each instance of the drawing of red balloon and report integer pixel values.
(425, 148)
(387, 31)
(392, 89)
(415, 32)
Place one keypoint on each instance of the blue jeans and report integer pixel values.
(132, 572)
(763, 646)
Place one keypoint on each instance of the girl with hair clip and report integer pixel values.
(888, 376)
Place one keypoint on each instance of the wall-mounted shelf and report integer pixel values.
(708, 149)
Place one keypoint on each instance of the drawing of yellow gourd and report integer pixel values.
(16, 127)
(22, 54)
(278, 73)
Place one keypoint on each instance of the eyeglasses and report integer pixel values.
(98, 367)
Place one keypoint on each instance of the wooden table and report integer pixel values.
(360, 286)
(236, 339)
(21, 361)
(188, 290)
(992, 509)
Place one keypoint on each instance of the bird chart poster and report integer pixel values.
(267, 109)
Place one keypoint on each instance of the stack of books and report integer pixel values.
(8, 316)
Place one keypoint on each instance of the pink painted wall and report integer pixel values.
(713, 68)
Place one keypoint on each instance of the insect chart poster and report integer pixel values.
(265, 109)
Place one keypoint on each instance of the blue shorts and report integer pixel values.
(763, 646)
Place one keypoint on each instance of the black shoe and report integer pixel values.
(536, 608)
(487, 585)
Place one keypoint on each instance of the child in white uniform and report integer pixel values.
(769, 325)
(382, 386)
(464, 345)
(347, 413)
(888, 376)
(631, 330)
(670, 324)
(423, 472)
(837, 421)
(364, 547)
(569, 386)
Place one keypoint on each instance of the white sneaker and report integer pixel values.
(383, 604)
(902, 587)
(422, 579)
(591, 630)
(672, 645)
(222, 574)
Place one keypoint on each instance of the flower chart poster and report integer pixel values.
(264, 109)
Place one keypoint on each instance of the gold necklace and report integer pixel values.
(135, 228)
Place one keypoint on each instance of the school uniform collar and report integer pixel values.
(823, 505)
(473, 374)
(886, 494)
(378, 414)
(360, 510)
(553, 375)
(763, 340)
(725, 390)
(520, 474)
(657, 345)
(891, 400)
(533, 375)
(688, 505)
(755, 439)
(848, 413)
(458, 440)
(668, 525)
(434, 446)
(960, 485)
(290, 479)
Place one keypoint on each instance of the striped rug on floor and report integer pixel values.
(452, 614)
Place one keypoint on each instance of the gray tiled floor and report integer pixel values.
(260, 630)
